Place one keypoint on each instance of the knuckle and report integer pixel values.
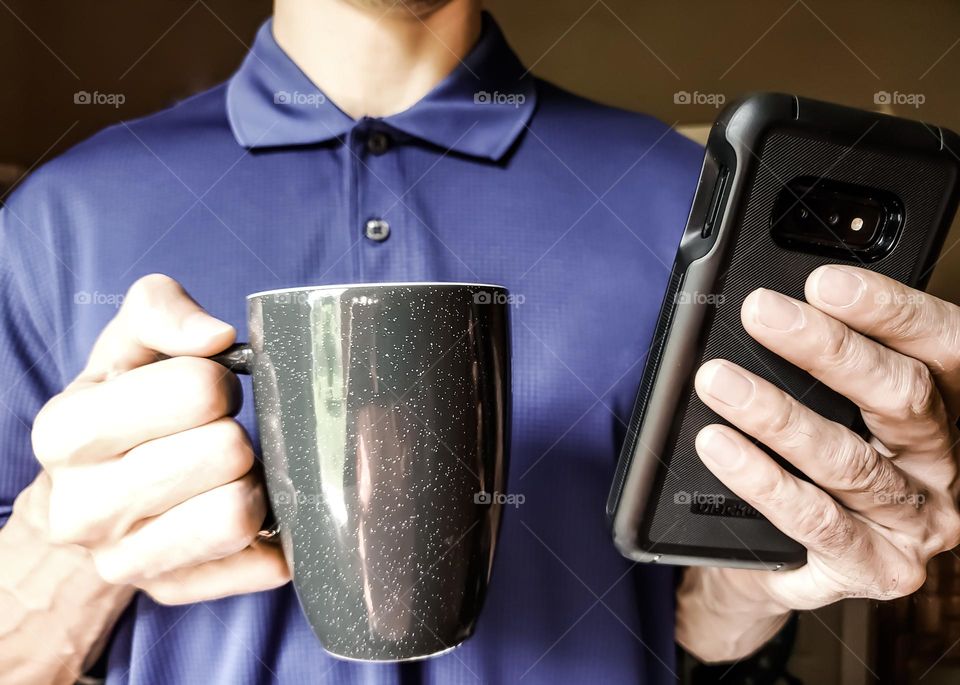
(65, 431)
(112, 570)
(239, 521)
(142, 293)
(786, 422)
(47, 435)
(88, 505)
(145, 303)
(920, 397)
(774, 488)
(232, 448)
(900, 321)
(824, 524)
(207, 388)
(63, 530)
(66, 523)
(854, 465)
(840, 348)
(946, 467)
(911, 392)
(950, 338)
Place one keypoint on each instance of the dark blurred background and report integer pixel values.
(632, 53)
(675, 60)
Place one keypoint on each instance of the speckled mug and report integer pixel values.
(384, 414)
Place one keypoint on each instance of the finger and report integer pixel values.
(900, 402)
(837, 460)
(107, 419)
(102, 501)
(800, 509)
(907, 320)
(259, 567)
(212, 525)
(157, 316)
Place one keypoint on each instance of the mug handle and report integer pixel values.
(238, 358)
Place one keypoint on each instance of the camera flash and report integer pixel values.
(856, 224)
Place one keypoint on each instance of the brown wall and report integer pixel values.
(632, 53)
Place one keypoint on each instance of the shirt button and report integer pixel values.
(378, 142)
(377, 230)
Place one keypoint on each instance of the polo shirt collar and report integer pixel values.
(479, 109)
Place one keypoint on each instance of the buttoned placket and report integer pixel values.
(378, 215)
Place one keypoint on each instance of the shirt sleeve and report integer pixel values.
(29, 373)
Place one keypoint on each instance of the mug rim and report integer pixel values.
(395, 284)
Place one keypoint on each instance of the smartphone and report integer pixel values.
(787, 184)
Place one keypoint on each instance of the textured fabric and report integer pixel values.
(577, 208)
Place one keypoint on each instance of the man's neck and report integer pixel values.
(371, 63)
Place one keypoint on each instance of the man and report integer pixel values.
(377, 141)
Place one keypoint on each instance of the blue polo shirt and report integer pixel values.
(493, 177)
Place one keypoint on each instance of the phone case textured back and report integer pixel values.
(784, 152)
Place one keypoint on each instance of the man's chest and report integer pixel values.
(585, 286)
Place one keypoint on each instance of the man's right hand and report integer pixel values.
(148, 469)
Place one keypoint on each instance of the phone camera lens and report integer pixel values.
(834, 219)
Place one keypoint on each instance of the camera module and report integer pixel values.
(838, 219)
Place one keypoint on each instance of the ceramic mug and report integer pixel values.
(384, 414)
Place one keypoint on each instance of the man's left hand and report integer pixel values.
(877, 509)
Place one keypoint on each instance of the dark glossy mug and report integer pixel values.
(384, 413)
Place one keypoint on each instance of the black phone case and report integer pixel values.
(664, 505)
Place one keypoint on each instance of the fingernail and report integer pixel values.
(201, 324)
(719, 448)
(839, 287)
(778, 312)
(728, 385)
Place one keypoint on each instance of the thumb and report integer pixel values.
(158, 318)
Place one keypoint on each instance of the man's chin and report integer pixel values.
(418, 8)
